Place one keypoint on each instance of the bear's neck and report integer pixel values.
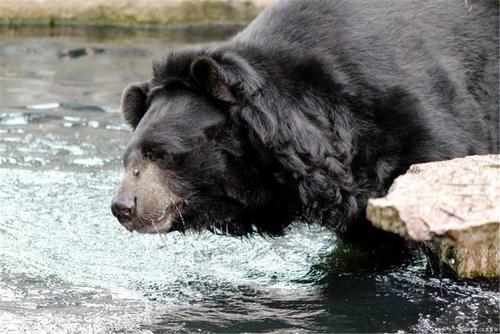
(331, 138)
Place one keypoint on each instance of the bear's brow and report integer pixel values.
(126, 155)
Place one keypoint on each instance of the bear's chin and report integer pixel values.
(161, 225)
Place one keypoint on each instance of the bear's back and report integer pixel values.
(443, 53)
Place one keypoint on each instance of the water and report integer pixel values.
(66, 265)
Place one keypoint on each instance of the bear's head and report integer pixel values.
(191, 163)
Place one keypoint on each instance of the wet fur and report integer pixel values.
(332, 101)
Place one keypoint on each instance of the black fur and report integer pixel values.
(318, 105)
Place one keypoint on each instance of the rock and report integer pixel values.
(453, 207)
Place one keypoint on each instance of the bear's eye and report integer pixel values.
(154, 155)
(168, 160)
(178, 159)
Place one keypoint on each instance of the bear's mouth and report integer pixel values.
(160, 225)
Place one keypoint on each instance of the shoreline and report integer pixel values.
(124, 13)
(19, 24)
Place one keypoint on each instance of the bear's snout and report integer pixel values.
(123, 208)
(143, 201)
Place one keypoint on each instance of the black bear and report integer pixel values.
(313, 108)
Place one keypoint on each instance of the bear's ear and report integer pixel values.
(133, 103)
(208, 74)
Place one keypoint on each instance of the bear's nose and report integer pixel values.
(123, 207)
